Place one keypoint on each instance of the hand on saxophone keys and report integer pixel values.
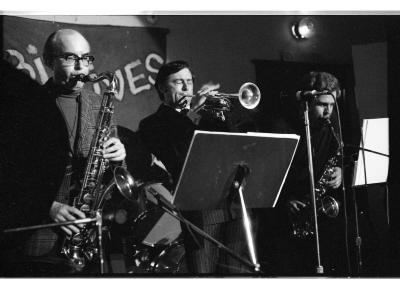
(336, 178)
(60, 212)
(114, 150)
(296, 206)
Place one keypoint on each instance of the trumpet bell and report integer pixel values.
(249, 95)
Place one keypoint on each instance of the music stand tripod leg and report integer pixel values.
(243, 172)
(171, 209)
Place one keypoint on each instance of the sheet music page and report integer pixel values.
(376, 138)
(278, 135)
(275, 137)
(258, 134)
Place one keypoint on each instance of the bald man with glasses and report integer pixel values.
(67, 53)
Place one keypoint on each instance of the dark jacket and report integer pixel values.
(47, 241)
(167, 134)
(33, 156)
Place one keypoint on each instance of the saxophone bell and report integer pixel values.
(329, 206)
(126, 185)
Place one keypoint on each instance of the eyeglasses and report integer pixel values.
(72, 59)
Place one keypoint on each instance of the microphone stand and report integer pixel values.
(99, 223)
(34, 227)
(319, 268)
(172, 210)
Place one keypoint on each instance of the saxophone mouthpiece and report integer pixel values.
(85, 78)
(90, 77)
(95, 78)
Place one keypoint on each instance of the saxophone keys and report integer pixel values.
(88, 198)
(91, 185)
(85, 208)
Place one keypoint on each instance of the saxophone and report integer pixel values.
(328, 206)
(82, 247)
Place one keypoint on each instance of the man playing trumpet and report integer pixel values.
(167, 134)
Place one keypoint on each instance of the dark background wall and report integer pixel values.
(221, 48)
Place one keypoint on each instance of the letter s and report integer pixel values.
(157, 58)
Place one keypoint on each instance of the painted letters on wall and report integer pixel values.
(134, 54)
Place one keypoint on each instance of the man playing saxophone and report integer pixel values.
(67, 54)
(295, 231)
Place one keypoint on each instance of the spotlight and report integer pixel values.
(303, 29)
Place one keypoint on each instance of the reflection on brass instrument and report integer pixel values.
(327, 205)
(217, 103)
(82, 247)
(158, 259)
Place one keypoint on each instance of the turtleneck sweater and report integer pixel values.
(68, 104)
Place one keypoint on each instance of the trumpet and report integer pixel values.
(217, 103)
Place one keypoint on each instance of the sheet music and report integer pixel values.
(270, 160)
(274, 135)
(280, 135)
(376, 138)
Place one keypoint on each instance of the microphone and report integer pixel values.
(309, 94)
(305, 95)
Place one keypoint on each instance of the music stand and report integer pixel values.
(375, 141)
(255, 164)
(371, 167)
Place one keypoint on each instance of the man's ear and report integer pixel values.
(162, 88)
(48, 61)
(339, 93)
